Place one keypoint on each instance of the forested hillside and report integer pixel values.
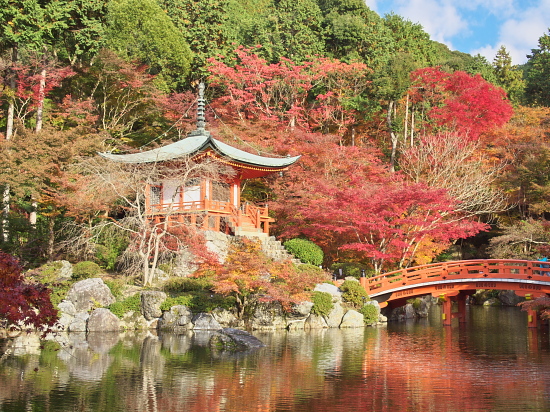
(409, 150)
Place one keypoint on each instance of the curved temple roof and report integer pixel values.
(195, 144)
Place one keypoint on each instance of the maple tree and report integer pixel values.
(250, 276)
(458, 101)
(23, 304)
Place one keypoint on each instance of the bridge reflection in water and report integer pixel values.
(454, 281)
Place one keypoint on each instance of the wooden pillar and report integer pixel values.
(446, 316)
(532, 319)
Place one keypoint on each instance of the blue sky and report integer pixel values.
(477, 26)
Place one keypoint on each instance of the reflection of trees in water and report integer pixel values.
(405, 368)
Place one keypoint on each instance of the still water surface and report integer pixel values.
(493, 363)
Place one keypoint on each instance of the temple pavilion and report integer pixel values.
(211, 205)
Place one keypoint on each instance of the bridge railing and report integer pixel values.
(481, 268)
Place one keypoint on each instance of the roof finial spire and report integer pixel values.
(200, 108)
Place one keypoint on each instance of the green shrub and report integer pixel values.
(115, 286)
(322, 303)
(180, 285)
(132, 303)
(49, 272)
(415, 302)
(184, 300)
(354, 293)
(85, 270)
(370, 314)
(59, 292)
(305, 250)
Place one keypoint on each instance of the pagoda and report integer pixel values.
(210, 205)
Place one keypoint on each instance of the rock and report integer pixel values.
(150, 303)
(328, 288)
(422, 308)
(88, 294)
(234, 339)
(225, 317)
(67, 307)
(103, 320)
(79, 322)
(352, 319)
(65, 272)
(403, 312)
(134, 321)
(296, 324)
(315, 322)
(492, 302)
(334, 318)
(302, 309)
(509, 298)
(178, 319)
(205, 321)
(268, 316)
(382, 318)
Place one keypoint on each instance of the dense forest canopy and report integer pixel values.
(408, 149)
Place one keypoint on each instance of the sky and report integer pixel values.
(477, 26)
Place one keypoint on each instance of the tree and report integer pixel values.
(203, 24)
(290, 29)
(537, 84)
(250, 276)
(448, 161)
(142, 30)
(457, 101)
(23, 304)
(526, 239)
(509, 77)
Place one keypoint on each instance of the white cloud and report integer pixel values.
(440, 19)
(520, 34)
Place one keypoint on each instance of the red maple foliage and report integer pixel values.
(458, 101)
(23, 304)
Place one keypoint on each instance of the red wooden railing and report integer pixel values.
(255, 214)
(482, 269)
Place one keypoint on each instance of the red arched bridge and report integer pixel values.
(454, 281)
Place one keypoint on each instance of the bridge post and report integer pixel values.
(447, 315)
(532, 319)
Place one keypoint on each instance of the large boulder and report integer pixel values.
(234, 339)
(205, 321)
(509, 298)
(334, 318)
(352, 319)
(268, 316)
(134, 321)
(178, 319)
(315, 322)
(150, 303)
(302, 309)
(88, 294)
(103, 320)
(329, 288)
(79, 322)
(226, 318)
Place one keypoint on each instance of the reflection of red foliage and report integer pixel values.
(22, 302)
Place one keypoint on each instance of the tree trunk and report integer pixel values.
(9, 134)
(393, 136)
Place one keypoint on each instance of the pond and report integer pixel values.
(491, 363)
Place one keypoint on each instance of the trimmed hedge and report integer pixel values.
(322, 303)
(354, 293)
(305, 250)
